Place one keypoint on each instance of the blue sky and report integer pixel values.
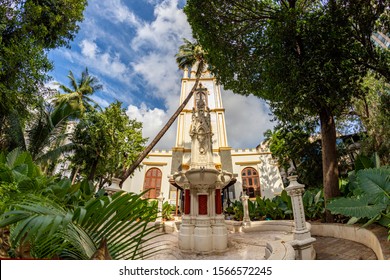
(129, 45)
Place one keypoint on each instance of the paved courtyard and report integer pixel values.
(329, 248)
(251, 246)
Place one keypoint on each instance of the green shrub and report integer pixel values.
(314, 204)
(167, 210)
(371, 197)
(279, 207)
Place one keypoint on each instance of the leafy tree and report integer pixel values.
(29, 28)
(106, 143)
(295, 148)
(306, 57)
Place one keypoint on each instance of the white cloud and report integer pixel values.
(88, 48)
(115, 11)
(153, 121)
(247, 118)
(160, 73)
(162, 38)
(102, 62)
(166, 32)
(157, 67)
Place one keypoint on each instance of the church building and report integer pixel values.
(254, 170)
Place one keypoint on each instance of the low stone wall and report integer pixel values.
(273, 225)
(356, 234)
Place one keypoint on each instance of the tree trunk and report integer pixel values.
(93, 170)
(329, 159)
(147, 150)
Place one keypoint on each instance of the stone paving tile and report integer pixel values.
(329, 248)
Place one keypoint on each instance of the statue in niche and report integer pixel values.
(202, 143)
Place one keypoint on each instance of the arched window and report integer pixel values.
(152, 183)
(250, 182)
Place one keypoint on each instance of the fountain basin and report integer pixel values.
(202, 176)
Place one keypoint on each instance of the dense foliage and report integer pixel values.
(373, 111)
(51, 218)
(106, 143)
(279, 207)
(297, 152)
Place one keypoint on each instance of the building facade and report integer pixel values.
(255, 171)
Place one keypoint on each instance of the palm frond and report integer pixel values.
(123, 219)
(54, 154)
(73, 81)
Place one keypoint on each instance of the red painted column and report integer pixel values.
(187, 202)
(202, 200)
(218, 202)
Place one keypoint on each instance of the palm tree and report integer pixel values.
(77, 96)
(44, 134)
(191, 54)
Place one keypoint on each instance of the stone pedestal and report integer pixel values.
(302, 241)
(246, 221)
(186, 235)
(203, 241)
(220, 236)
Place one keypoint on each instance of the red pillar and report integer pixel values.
(187, 202)
(202, 199)
(218, 202)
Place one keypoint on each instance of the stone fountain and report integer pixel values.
(203, 228)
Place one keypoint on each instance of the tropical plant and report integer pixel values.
(371, 198)
(374, 114)
(52, 230)
(18, 174)
(167, 210)
(280, 207)
(55, 218)
(77, 95)
(45, 135)
(314, 203)
(296, 151)
(190, 54)
(238, 210)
